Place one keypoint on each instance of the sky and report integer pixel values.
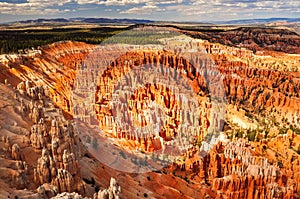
(161, 10)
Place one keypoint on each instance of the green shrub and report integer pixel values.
(251, 135)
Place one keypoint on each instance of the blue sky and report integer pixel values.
(165, 10)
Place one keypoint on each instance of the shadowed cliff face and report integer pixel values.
(42, 147)
(56, 159)
(259, 89)
(244, 83)
(255, 39)
(234, 170)
(53, 66)
(139, 101)
(42, 155)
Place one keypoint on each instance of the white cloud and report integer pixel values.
(168, 2)
(128, 2)
(229, 9)
(50, 11)
(83, 2)
(177, 9)
(143, 10)
(32, 7)
(112, 2)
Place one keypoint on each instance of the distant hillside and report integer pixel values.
(260, 21)
(145, 21)
(89, 20)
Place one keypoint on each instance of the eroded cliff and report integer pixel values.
(42, 151)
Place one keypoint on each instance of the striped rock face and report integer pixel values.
(160, 98)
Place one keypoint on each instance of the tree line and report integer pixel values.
(11, 41)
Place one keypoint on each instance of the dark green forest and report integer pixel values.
(13, 40)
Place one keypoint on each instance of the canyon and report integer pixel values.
(55, 99)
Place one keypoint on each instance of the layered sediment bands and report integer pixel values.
(37, 139)
(248, 176)
(261, 89)
(251, 82)
(41, 152)
(253, 38)
(234, 171)
(168, 74)
(252, 88)
(53, 66)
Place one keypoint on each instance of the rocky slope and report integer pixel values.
(44, 154)
(253, 38)
(53, 66)
(58, 161)
(39, 143)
